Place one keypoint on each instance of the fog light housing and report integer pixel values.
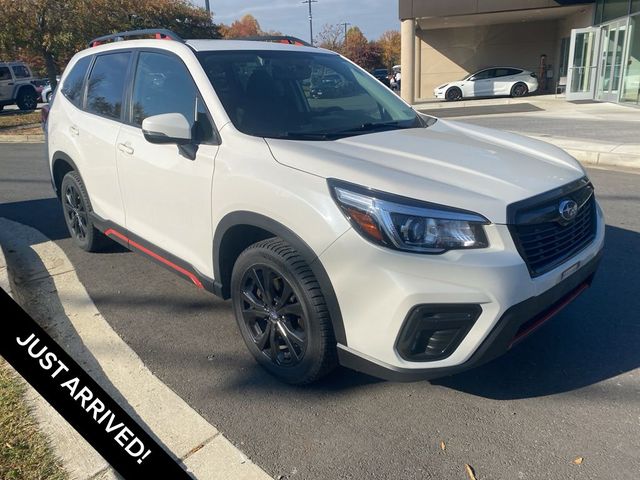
(433, 332)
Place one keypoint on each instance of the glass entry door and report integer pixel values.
(611, 61)
(583, 63)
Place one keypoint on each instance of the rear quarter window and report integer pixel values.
(105, 89)
(20, 71)
(73, 82)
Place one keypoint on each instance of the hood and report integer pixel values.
(450, 163)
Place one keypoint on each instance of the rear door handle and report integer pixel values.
(74, 130)
(124, 148)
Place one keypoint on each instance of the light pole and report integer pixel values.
(310, 19)
(345, 25)
(207, 6)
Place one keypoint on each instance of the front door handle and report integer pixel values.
(124, 148)
(74, 130)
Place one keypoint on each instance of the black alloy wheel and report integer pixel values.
(282, 313)
(274, 316)
(75, 212)
(454, 94)
(27, 100)
(77, 208)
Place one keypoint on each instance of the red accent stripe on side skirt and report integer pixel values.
(551, 313)
(137, 246)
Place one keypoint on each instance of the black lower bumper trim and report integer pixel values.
(506, 333)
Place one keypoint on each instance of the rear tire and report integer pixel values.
(282, 313)
(454, 94)
(519, 90)
(27, 100)
(76, 208)
(49, 95)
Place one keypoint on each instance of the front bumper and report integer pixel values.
(377, 288)
(515, 324)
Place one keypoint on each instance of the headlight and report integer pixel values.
(408, 225)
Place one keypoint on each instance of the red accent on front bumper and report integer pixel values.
(546, 316)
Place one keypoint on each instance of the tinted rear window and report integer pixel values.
(72, 87)
(20, 71)
(106, 84)
(5, 74)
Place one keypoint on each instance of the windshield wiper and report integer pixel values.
(370, 127)
(301, 136)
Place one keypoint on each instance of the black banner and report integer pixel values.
(79, 399)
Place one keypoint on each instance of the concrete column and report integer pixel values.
(408, 59)
(418, 67)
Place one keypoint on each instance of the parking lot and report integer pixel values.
(570, 390)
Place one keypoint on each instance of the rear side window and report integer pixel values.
(5, 74)
(106, 84)
(20, 71)
(503, 72)
(72, 87)
(162, 85)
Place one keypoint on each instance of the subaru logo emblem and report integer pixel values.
(568, 209)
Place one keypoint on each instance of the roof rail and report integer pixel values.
(277, 39)
(158, 33)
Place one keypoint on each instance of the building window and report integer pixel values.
(635, 6)
(607, 10)
(631, 83)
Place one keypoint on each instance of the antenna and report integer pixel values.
(310, 19)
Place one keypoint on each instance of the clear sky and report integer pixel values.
(292, 16)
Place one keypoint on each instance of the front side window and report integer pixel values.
(20, 71)
(106, 84)
(162, 85)
(302, 95)
(72, 86)
(5, 74)
(483, 75)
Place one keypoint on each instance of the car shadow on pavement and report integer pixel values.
(594, 339)
(45, 215)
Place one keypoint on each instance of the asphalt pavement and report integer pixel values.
(570, 390)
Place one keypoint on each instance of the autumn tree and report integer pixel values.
(247, 26)
(389, 44)
(360, 50)
(53, 30)
(331, 38)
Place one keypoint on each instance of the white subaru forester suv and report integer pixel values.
(345, 227)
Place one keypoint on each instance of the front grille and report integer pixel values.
(545, 240)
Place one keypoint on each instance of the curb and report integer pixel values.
(39, 138)
(45, 284)
(594, 153)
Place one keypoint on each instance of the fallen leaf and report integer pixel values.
(442, 446)
(470, 473)
(578, 460)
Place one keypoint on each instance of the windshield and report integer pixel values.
(302, 95)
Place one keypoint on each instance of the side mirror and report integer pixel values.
(167, 128)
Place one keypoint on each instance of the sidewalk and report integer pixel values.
(43, 281)
(597, 134)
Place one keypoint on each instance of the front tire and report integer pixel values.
(27, 100)
(76, 208)
(282, 313)
(453, 94)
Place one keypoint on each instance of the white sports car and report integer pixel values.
(490, 82)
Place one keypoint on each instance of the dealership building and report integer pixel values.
(590, 49)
